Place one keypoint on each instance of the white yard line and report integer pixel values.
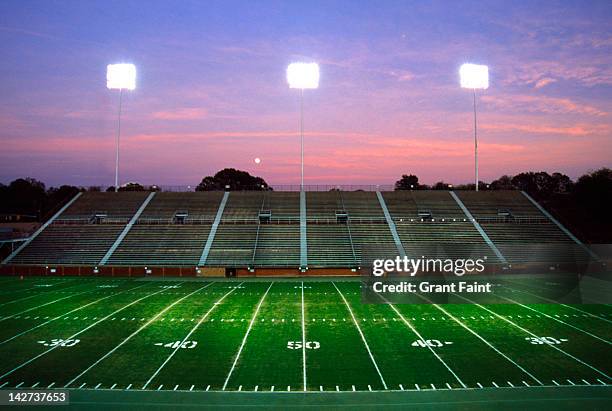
(195, 327)
(401, 316)
(556, 319)
(484, 341)
(362, 336)
(533, 335)
(133, 334)
(556, 302)
(245, 338)
(303, 340)
(47, 303)
(80, 332)
(67, 313)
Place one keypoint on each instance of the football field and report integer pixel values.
(282, 336)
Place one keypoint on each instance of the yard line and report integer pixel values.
(556, 319)
(69, 312)
(195, 327)
(134, 333)
(556, 302)
(34, 287)
(80, 332)
(484, 341)
(422, 339)
(362, 336)
(533, 335)
(303, 339)
(245, 338)
(43, 305)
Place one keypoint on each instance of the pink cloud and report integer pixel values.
(181, 114)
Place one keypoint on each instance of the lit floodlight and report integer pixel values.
(303, 75)
(474, 76)
(121, 76)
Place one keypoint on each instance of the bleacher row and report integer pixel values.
(262, 229)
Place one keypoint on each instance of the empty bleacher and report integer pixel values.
(262, 229)
(520, 231)
(445, 232)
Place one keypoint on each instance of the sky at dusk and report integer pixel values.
(211, 89)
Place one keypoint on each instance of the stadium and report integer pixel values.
(305, 205)
(214, 293)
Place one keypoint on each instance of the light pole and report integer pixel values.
(475, 77)
(120, 77)
(302, 76)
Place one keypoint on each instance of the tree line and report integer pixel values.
(584, 205)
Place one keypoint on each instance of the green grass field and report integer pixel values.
(263, 336)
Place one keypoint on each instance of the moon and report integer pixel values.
(257, 160)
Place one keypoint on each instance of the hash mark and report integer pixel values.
(82, 385)
(113, 386)
(128, 387)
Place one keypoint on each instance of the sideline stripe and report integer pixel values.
(556, 319)
(362, 336)
(422, 339)
(133, 334)
(533, 335)
(245, 337)
(67, 313)
(215, 305)
(80, 332)
(303, 339)
(483, 340)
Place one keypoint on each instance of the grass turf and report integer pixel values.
(248, 336)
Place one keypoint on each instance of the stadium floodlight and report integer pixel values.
(475, 77)
(302, 76)
(120, 77)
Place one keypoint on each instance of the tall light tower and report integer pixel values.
(120, 77)
(475, 77)
(302, 76)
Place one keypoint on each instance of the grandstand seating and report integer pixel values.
(70, 244)
(429, 223)
(118, 207)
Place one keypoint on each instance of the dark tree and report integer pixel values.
(235, 180)
(440, 185)
(132, 187)
(502, 183)
(23, 196)
(407, 182)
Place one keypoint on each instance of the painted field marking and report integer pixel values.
(303, 341)
(362, 336)
(82, 385)
(533, 335)
(484, 341)
(207, 387)
(69, 312)
(417, 387)
(35, 295)
(495, 384)
(557, 320)
(256, 388)
(245, 338)
(555, 382)
(113, 386)
(97, 386)
(479, 385)
(19, 385)
(79, 333)
(195, 327)
(588, 314)
(36, 385)
(4, 384)
(43, 305)
(401, 316)
(134, 333)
